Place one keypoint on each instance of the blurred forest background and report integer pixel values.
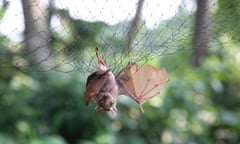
(42, 77)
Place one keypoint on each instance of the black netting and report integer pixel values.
(75, 29)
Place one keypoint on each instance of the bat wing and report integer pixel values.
(141, 83)
(96, 80)
(94, 84)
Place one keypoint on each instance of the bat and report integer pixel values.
(102, 86)
(140, 83)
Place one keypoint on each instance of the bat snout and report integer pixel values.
(107, 102)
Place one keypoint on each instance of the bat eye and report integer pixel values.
(111, 103)
(101, 102)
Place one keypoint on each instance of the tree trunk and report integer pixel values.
(37, 34)
(201, 32)
(134, 27)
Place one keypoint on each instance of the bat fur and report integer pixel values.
(107, 96)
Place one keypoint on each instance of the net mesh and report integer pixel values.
(77, 27)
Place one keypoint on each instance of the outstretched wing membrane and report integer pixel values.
(141, 83)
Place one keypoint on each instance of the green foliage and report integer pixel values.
(198, 105)
(4, 8)
(76, 34)
(228, 18)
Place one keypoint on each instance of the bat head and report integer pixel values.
(106, 102)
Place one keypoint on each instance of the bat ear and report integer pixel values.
(101, 63)
(98, 109)
(113, 110)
